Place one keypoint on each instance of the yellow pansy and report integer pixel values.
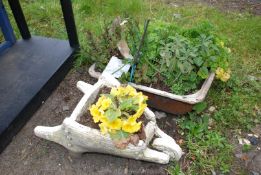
(132, 119)
(105, 104)
(131, 127)
(96, 114)
(116, 124)
(140, 110)
(99, 102)
(114, 91)
(121, 91)
(142, 98)
(103, 128)
(130, 91)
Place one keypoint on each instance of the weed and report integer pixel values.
(208, 149)
(246, 148)
(175, 170)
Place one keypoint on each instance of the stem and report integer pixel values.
(152, 66)
(177, 77)
(129, 61)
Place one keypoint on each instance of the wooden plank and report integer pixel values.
(29, 71)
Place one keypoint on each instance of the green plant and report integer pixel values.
(246, 148)
(100, 49)
(208, 149)
(175, 170)
(117, 114)
(182, 58)
(200, 107)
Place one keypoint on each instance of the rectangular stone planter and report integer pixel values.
(168, 102)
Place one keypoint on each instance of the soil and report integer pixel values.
(249, 161)
(28, 154)
(86, 119)
(158, 85)
(162, 86)
(250, 6)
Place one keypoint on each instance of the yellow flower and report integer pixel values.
(131, 127)
(115, 124)
(219, 72)
(114, 92)
(132, 119)
(130, 91)
(103, 128)
(99, 102)
(105, 104)
(96, 114)
(225, 77)
(222, 75)
(140, 110)
(142, 98)
(121, 91)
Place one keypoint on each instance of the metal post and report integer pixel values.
(19, 18)
(69, 23)
(6, 29)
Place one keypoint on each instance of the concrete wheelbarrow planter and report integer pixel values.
(159, 99)
(158, 147)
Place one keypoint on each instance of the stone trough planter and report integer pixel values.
(158, 147)
(168, 102)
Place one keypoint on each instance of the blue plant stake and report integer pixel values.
(133, 67)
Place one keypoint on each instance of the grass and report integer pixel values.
(237, 102)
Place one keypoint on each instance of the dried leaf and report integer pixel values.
(141, 133)
(121, 144)
(134, 139)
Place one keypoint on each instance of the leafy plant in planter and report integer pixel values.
(117, 114)
(178, 60)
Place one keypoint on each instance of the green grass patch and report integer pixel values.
(237, 102)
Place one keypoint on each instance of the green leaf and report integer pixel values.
(246, 148)
(200, 107)
(112, 114)
(187, 67)
(181, 67)
(198, 61)
(203, 72)
(128, 104)
(119, 134)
